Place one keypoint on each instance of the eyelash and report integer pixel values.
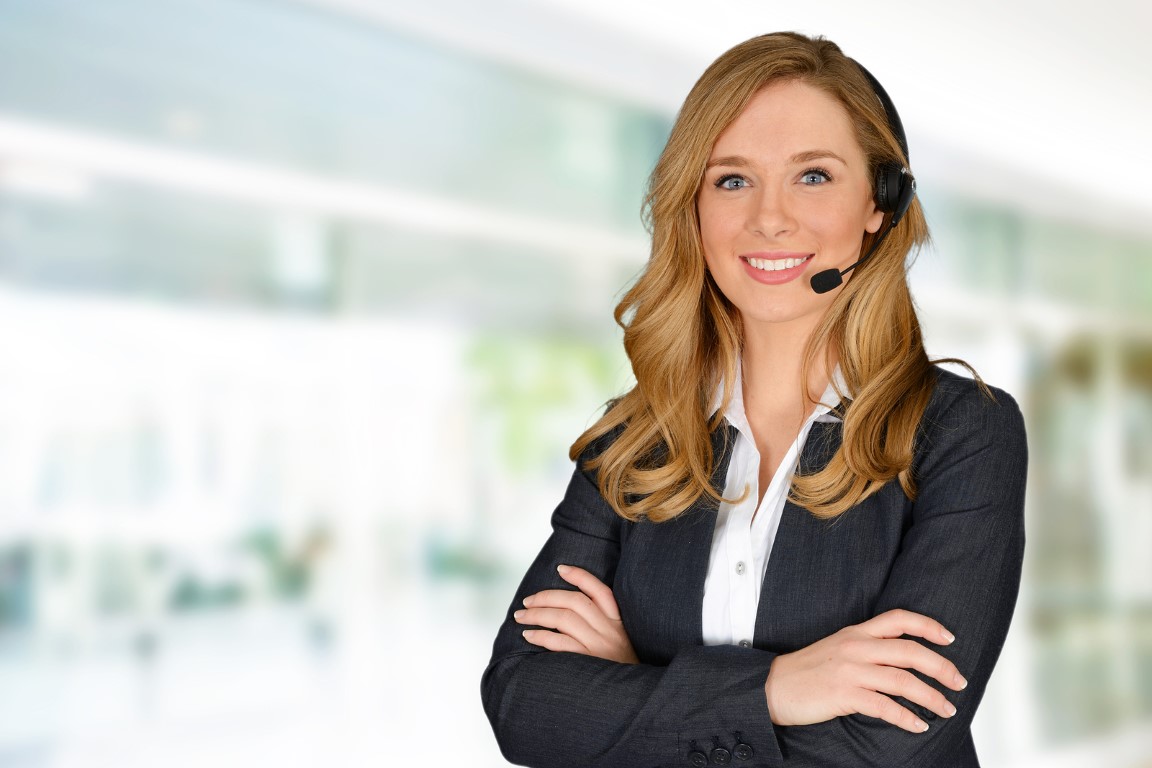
(729, 176)
(827, 176)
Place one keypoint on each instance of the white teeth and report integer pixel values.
(772, 265)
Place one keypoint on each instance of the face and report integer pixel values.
(786, 194)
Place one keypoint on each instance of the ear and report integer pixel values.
(874, 220)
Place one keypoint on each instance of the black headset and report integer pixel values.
(895, 185)
(895, 188)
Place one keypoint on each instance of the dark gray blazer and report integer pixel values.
(954, 554)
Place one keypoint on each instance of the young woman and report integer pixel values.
(795, 542)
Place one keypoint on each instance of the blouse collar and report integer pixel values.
(830, 408)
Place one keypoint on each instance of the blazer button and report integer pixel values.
(697, 759)
(721, 756)
(742, 751)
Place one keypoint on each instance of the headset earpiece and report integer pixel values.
(895, 188)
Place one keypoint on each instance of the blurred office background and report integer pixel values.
(302, 302)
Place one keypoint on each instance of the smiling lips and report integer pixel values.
(776, 267)
(776, 264)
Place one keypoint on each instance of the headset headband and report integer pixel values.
(894, 121)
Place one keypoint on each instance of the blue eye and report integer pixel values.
(731, 181)
(815, 176)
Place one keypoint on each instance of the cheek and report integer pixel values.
(711, 259)
(709, 233)
(845, 224)
(717, 227)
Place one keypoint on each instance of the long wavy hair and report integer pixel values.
(684, 338)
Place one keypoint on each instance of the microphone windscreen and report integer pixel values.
(822, 282)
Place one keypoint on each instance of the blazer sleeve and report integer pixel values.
(555, 710)
(960, 563)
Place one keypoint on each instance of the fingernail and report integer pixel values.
(948, 636)
(524, 634)
(517, 615)
(961, 682)
(528, 601)
(951, 709)
(562, 568)
(921, 725)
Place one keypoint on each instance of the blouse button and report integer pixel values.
(745, 643)
(740, 568)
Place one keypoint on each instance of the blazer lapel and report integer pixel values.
(824, 575)
(662, 574)
(787, 590)
(698, 531)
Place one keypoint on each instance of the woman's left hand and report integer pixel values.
(585, 621)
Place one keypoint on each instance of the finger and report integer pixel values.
(570, 600)
(900, 682)
(909, 654)
(599, 592)
(560, 619)
(554, 641)
(559, 598)
(899, 622)
(880, 706)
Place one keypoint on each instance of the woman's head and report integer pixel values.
(718, 99)
(786, 194)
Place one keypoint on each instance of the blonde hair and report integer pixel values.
(683, 336)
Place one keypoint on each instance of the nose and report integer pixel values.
(770, 212)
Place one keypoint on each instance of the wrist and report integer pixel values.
(769, 690)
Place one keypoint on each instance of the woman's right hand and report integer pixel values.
(859, 669)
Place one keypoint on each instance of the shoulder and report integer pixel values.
(592, 459)
(599, 445)
(959, 398)
(963, 411)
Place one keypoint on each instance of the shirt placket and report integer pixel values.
(741, 560)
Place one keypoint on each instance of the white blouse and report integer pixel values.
(742, 541)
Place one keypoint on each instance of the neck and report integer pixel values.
(773, 368)
(776, 402)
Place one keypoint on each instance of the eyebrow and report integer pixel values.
(800, 157)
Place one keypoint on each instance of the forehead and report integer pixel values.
(787, 118)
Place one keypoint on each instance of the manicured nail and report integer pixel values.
(524, 634)
(948, 636)
(950, 709)
(562, 569)
(961, 682)
(921, 726)
(517, 615)
(528, 601)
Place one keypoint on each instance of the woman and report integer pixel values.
(795, 541)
